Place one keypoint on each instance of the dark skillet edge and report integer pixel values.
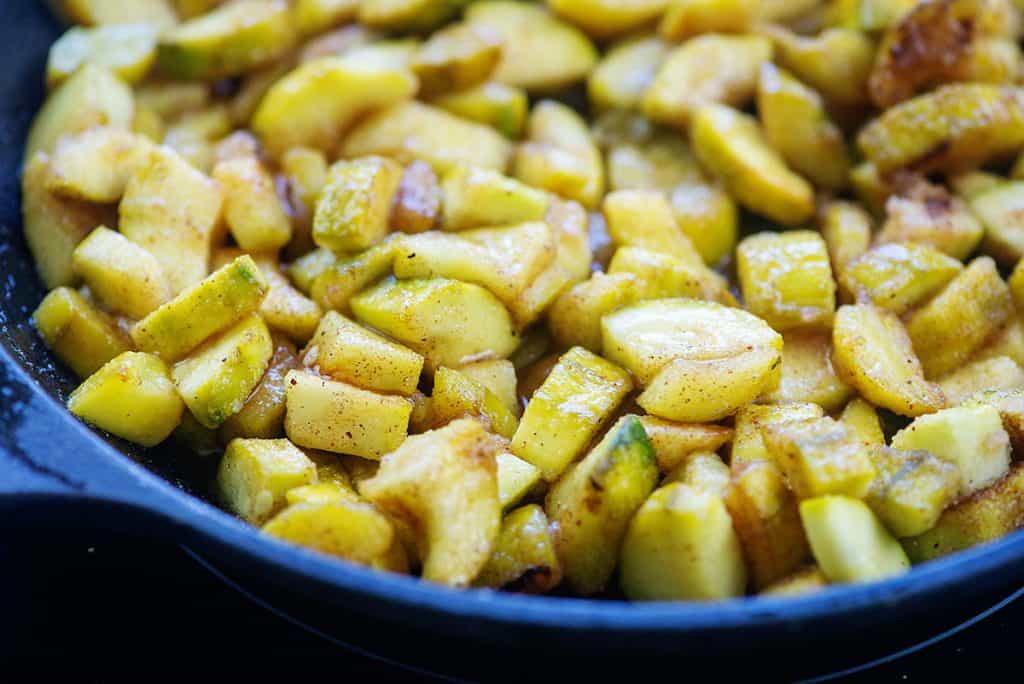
(133, 495)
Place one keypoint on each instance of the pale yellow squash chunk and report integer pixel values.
(731, 146)
(560, 155)
(170, 99)
(133, 397)
(498, 376)
(995, 373)
(703, 471)
(216, 379)
(172, 210)
(500, 106)
(687, 18)
(873, 352)
(417, 205)
(575, 317)
(807, 372)
(316, 16)
(524, 557)
(578, 397)
(748, 443)
(252, 210)
(448, 322)
(54, 225)
(820, 457)
(708, 69)
(227, 41)
(681, 546)
(284, 308)
(516, 478)
(475, 198)
(455, 58)
(225, 297)
(767, 521)
(797, 125)
(836, 62)
(848, 541)
(413, 130)
(456, 395)
(846, 227)
(644, 338)
(625, 73)
(126, 49)
(255, 475)
(262, 415)
(124, 276)
(444, 485)
(861, 418)
(911, 489)
(644, 218)
(336, 281)
(337, 417)
(541, 53)
(928, 214)
(101, 12)
(674, 443)
(956, 322)
(353, 207)
(708, 216)
(1000, 209)
(80, 336)
(604, 18)
(899, 275)
(361, 357)
(786, 279)
(407, 15)
(97, 164)
(315, 104)
(972, 438)
(988, 515)
(808, 580)
(591, 506)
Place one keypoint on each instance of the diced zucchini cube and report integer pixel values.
(255, 476)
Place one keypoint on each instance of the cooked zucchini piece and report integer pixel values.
(173, 211)
(455, 58)
(475, 198)
(606, 18)
(350, 353)
(313, 17)
(836, 62)
(285, 309)
(644, 218)
(797, 125)
(591, 506)
(456, 396)
(703, 471)
(575, 317)
(564, 414)
(800, 583)
(97, 164)
(54, 225)
(502, 107)
(767, 521)
(911, 489)
(861, 418)
(506, 261)
(417, 204)
(873, 352)
(444, 485)
(101, 12)
(708, 216)
(171, 99)
(541, 52)
(807, 372)
(216, 379)
(78, 334)
(124, 276)
(644, 338)
(357, 532)
(900, 275)
(956, 322)
(227, 41)
(255, 476)
(967, 124)
(848, 541)
(1008, 341)
(624, 74)
(707, 69)
(748, 443)
(516, 478)
(972, 438)
(983, 517)
(131, 396)
(1001, 210)
(413, 130)
(928, 214)
(262, 416)
(316, 103)
(252, 210)
(337, 417)
(524, 557)
(93, 96)
(225, 297)
(731, 146)
(560, 155)
(786, 279)
(407, 15)
(353, 207)
(498, 376)
(990, 374)
(335, 287)
(447, 321)
(681, 545)
(820, 457)
(687, 18)
(673, 443)
(1010, 404)
(128, 50)
(846, 227)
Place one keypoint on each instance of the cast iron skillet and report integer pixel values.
(52, 469)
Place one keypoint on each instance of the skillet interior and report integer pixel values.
(923, 599)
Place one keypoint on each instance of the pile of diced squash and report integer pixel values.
(749, 325)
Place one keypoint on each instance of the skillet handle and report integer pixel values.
(52, 467)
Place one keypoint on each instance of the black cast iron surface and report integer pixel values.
(53, 469)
